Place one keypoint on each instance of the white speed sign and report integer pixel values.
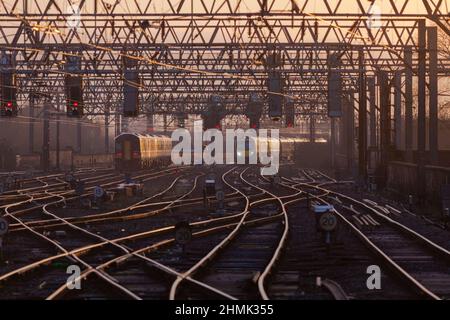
(328, 221)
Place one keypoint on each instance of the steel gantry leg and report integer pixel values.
(342, 141)
(333, 142)
(398, 114)
(362, 121)
(349, 124)
(150, 125)
(31, 126)
(421, 112)
(124, 124)
(107, 130)
(79, 135)
(385, 125)
(433, 95)
(371, 84)
(409, 104)
(46, 138)
(312, 129)
(165, 122)
(117, 124)
(58, 134)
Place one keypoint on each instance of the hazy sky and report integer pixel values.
(350, 6)
(162, 6)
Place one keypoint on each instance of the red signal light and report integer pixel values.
(75, 104)
(9, 104)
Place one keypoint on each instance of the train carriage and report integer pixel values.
(138, 151)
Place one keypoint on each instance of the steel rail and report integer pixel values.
(399, 270)
(218, 247)
(61, 289)
(146, 177)
(103, 275)
(162, 267)
(212, 253)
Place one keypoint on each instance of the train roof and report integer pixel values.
(143, 136)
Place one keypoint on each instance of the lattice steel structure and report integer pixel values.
(188, 50)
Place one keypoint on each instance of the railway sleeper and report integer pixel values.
(365, 221)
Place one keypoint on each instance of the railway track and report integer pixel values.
(91, 247)
(36, 239)
(131, 252)
(223, 266)
(220, 226)
(45, 234)
(306, 260)
(45, 182)
(123, 276)
(35, 202)
(421, 264)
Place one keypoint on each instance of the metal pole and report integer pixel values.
(433, 98)
(165, 122)
(31, 127)
(150, 127)
(350, 131)
(421, 127)
(79, 135)
(362, 121)
(333, 142)
(409, 104)
(58, 108)
(107, 130)
(398, 109)
(385, 124)
(371, 84)
(123, 124)
(117, 124)
(312, 129)
(46, 139)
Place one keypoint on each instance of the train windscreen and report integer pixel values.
(118, 148)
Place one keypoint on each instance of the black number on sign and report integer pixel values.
(328, 222)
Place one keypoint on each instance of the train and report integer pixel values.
(285, 147)
(140, 151)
